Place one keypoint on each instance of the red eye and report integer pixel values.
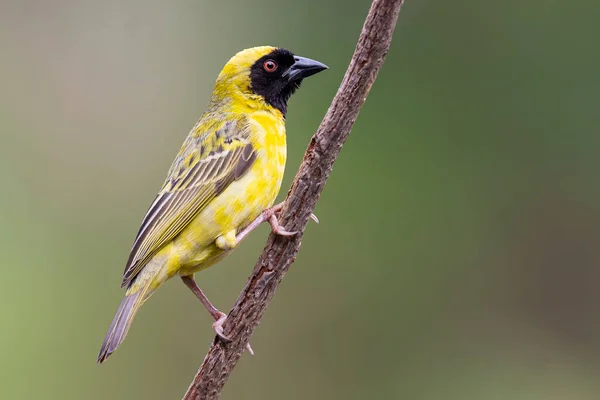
(270, 66)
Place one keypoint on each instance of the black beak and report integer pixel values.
(303, 68)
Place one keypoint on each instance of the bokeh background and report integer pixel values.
(458, 252)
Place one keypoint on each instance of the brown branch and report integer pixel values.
(280, 252)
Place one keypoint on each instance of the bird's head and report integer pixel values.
(267, 74)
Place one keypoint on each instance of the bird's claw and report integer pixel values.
(276, 209)
(279, 229)
(218, 328)
(274, 222)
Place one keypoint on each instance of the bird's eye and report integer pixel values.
(270, 66)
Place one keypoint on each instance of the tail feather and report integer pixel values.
(146, 283)
(120, 325)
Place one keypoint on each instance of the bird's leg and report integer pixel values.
(270, 216)
(218, 316)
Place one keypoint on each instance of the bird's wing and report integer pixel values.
(204, 167)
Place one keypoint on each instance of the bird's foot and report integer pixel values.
(277, 228)
(276, 209)
(269, 215)
(218, 327)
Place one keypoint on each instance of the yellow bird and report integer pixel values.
(221, 185)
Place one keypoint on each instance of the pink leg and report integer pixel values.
(218, 316)
(269, 215)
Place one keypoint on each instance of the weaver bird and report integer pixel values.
(221, 185)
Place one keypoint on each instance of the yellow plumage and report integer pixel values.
(228, 171)
(243, 200)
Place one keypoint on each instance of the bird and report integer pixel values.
(221, 186)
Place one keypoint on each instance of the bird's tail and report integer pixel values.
(149, 279)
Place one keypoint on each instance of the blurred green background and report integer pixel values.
(457, 255)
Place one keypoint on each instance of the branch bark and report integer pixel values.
(280, 252)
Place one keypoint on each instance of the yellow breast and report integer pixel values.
(241, 202)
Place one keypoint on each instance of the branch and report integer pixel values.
(280, 252)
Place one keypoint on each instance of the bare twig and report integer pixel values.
(280, 252)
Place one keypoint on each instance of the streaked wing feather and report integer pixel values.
(185, 193)
(248, 157)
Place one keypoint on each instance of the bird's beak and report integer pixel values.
(303, 68)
